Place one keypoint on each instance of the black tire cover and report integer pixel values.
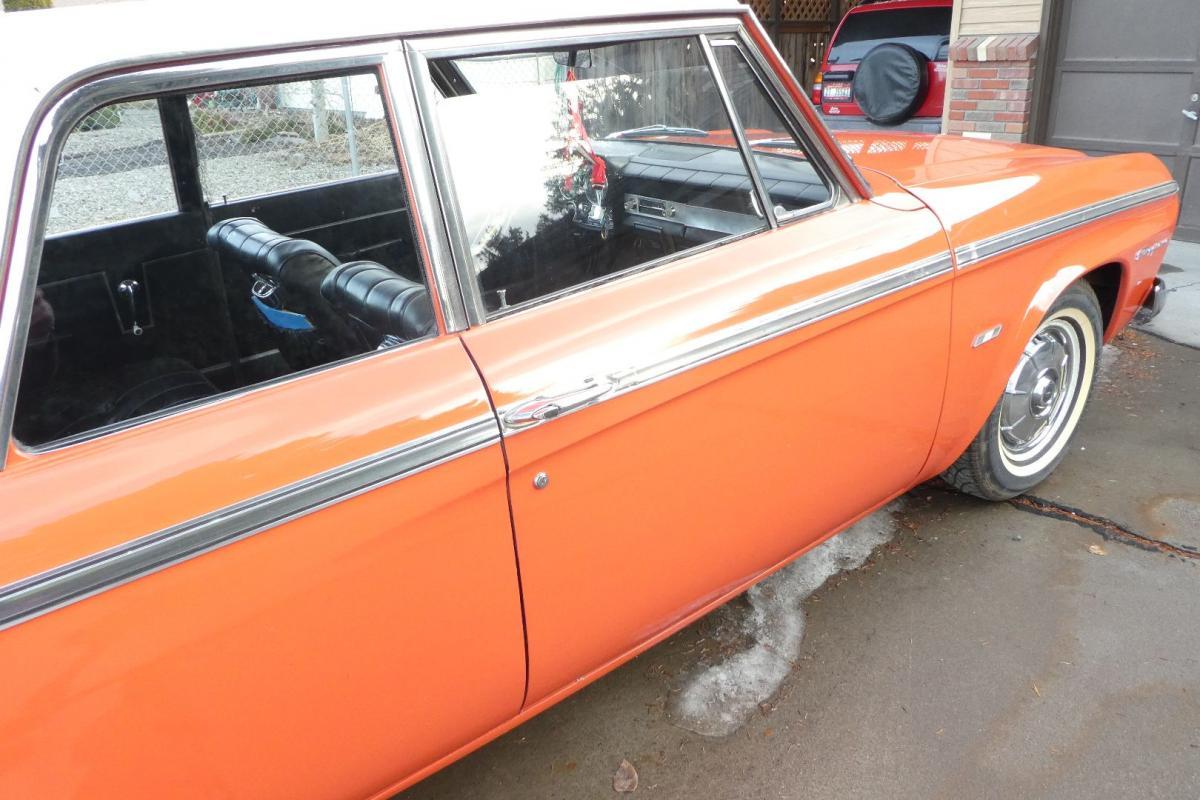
(890, 83)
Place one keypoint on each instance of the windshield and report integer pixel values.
(926, 30)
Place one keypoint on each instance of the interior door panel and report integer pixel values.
(703, 467)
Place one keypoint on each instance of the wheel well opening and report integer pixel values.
(1106, 283)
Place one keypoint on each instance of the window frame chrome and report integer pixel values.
(845, 172)
(422, 50)
(839, 190)
(40, 165)
(739, 133)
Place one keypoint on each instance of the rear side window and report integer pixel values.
(573, 166)
(298, 253)
(255, 140)
(926, 30)
(113, 168)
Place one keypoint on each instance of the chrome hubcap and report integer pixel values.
(1038, 397)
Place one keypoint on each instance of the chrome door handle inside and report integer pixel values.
(541, 409)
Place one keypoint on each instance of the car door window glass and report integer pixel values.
(255, 140)
(150, 314)
(789, 176)
(112, 168)
(572, 166)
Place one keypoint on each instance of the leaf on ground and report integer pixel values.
(1097, 550)
(625, 779)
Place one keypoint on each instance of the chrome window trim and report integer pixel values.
(54, 588)
(442, 196)
(40, 167)
(758, 330)
(970, 255)
(422, 50)
(565, 37)
(838, 194)
(416, 154)
(839, 164)
(739, 134)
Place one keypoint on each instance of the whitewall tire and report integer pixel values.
(1029, 430)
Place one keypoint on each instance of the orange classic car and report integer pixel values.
(375, 377)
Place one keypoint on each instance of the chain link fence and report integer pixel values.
(250, 141)
(273, 138)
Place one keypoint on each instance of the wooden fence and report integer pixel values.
(801, 30)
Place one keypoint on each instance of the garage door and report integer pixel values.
(1127, 77)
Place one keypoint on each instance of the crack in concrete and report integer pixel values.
(1107, 528)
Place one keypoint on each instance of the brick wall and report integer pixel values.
(991, 86)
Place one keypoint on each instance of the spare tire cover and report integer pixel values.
(890, 83)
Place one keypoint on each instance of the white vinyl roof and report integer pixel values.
(47, 52)
(40, 49)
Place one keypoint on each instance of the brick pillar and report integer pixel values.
(991, 86)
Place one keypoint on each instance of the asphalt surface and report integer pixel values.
(1044, 648)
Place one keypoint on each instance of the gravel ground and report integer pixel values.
(118, 174)
(102, 199)
(138, 126)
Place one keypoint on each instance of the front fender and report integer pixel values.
(1016, 289)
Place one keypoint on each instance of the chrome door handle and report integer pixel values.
(541, 409)
(1192, 115)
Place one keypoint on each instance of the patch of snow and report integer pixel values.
(720, 698)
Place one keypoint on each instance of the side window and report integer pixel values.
(791, 181)
(290, 248)
(571, 166)
(113, 168)
(256, 140)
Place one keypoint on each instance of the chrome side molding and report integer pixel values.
(969, 255)
(731, 340)
(93, 574)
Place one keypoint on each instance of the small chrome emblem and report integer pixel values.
(541, 480)
(986, 336)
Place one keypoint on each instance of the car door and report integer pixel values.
(301, 586)
(703, 362)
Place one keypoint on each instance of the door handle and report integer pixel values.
(130, 289)
(541, 409)
(1191, 113)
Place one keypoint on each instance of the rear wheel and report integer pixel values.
(1027, 433)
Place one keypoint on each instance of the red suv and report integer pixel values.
(886, 67)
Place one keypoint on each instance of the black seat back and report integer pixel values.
(288, 274)
(298, 265)
(387, 304)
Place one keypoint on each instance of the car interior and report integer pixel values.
(141, 315)
(287, 246)
(641, 153)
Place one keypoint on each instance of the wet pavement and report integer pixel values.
(1048, 647)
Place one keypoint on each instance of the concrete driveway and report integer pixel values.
(1048, 647)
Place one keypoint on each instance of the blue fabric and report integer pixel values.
(284, 320)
